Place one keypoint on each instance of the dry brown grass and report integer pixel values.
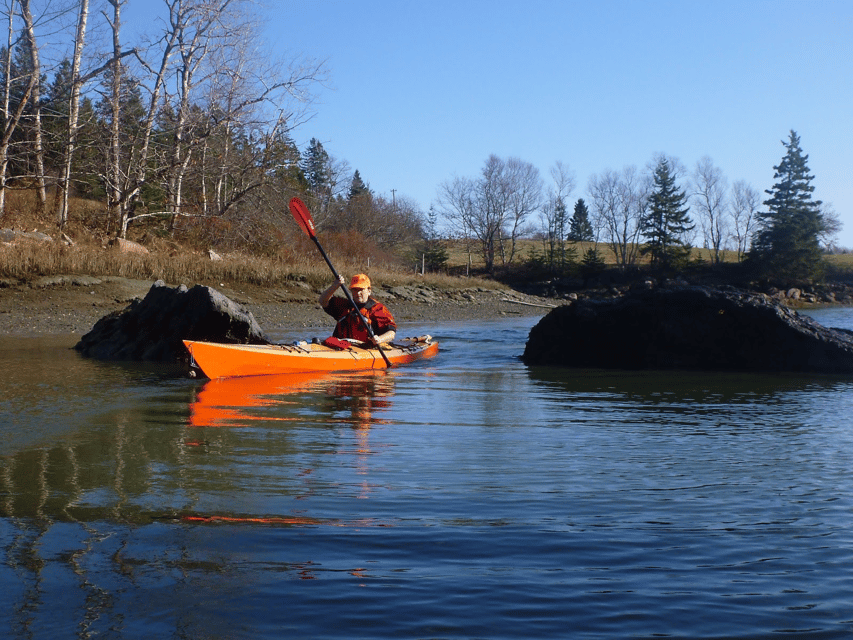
(25, 260)
(297, 259)
(459, 256)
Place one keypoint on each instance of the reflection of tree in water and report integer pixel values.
(66, 507)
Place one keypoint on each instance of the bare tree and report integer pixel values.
(457, 203)
(618, 203)
(250, 98)
(831, 226)
(194, 22)
(555, 212)
(745, 202)
(524, 197)
(709, 199)
(494, 208)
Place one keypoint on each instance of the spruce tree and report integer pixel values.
(316, 165)
(357, 186)
(787, 245)
(666, 220)
(580, 228)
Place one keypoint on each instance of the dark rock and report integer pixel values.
(687, 327)
(152, 329)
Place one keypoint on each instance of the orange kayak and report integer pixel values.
(228, 360)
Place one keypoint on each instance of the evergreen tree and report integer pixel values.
(580, 228)
(21, 141)
(282, 156)
(787, 242)
(316, 167)
(591, 264)
(434, 256)
(666, 220)
(557, 257)
(55, 111)
(357, 187)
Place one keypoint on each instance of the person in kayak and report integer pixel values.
(349, 325)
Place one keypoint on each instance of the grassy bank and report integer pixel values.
(26, 260)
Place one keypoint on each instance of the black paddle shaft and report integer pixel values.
(348, 294)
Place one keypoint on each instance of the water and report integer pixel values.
(462, 497)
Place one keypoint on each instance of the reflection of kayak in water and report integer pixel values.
(224, 401)
(227, 360)
(232, 401)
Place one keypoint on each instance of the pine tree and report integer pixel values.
(787, 243)
(580, 228)
(666, 220)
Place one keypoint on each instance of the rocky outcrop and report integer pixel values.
(688, 327)
(151, 329)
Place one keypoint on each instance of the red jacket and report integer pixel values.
(350, 326)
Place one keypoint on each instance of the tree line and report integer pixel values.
(190, 124)
(661, 213)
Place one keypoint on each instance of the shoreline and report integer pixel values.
(71, 305)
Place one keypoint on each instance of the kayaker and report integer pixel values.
(349, 325)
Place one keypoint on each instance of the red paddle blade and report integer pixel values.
(302, 215)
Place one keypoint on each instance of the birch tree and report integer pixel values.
(11, 119)
(73, 110)
(35, 102)
(128, 169)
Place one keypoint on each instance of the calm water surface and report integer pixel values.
(463, 497)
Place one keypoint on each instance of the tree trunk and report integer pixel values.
(73, 111)
(11, 121)
(7, 88)
(35, 98)
(113, 172)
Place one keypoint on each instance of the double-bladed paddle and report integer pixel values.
(306, 223)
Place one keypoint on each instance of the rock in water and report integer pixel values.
(688, 328)
(152, 329)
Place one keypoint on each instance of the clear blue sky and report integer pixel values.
(422, 91)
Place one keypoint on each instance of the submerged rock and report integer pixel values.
(688, 327)
(152, 329)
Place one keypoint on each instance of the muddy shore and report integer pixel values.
(62, 305)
